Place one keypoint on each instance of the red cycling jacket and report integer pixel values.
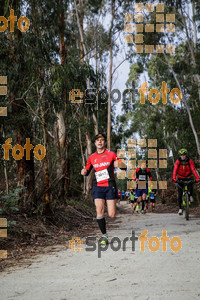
(184, 169)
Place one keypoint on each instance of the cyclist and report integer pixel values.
(183, 169)
(142, 174)
(104, 184)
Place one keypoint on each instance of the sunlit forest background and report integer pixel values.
(81, 45)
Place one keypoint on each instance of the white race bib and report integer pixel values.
(142, 177)
(102, 175)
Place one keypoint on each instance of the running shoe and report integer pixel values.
(104, 240)
(191, 199)
(180, 212)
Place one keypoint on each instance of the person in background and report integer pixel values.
(132, 201)
(183, 169)
(142, 174)
(119, 196)
(123, 195)
(152, 196)
(127, 195)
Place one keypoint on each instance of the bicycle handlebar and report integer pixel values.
(186, 182)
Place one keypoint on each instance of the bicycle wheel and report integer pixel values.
(187, 207)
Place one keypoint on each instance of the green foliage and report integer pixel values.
(9, 203)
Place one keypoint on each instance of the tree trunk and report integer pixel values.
(187, 108)
(83, 158)
(63, 141)
(110, 76)
(25, 168)
(47, 210)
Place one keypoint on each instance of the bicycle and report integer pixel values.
(185, 197)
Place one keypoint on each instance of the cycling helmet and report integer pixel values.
(183, 152)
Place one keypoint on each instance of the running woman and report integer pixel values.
(142, 174)
(104, 184)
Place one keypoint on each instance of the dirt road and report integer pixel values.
(65, 274)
